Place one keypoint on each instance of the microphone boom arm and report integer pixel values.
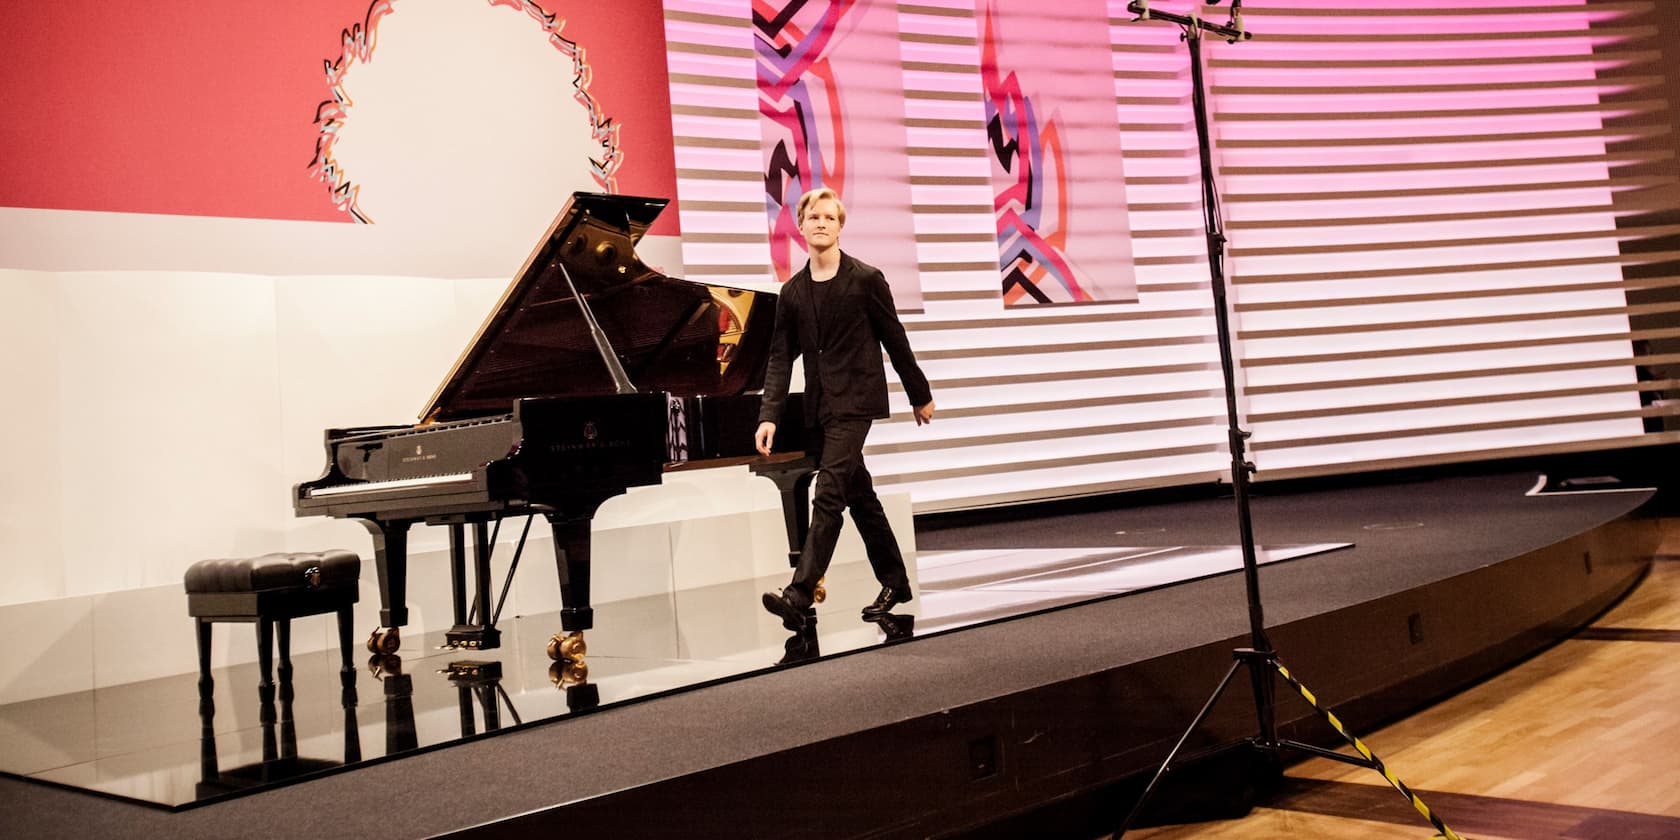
(1232, 33)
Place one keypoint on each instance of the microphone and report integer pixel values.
(1235, 24)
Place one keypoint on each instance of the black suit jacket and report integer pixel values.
(842, 354)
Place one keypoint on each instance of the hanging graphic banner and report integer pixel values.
(1054, 143)
(831, 105)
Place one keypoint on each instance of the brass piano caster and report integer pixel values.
(570, 647)
(384, 641)
(820, 594)
(382, 665)
(567, 673)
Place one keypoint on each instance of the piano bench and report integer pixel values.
(268, 589)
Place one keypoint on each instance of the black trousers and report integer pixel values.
(844, 483)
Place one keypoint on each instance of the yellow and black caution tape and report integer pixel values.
(1370, 757)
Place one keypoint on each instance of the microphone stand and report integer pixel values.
(1260, 658)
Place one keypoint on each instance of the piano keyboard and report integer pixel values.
(393, 485)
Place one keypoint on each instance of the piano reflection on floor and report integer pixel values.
(480, 696)
(593, 374)
(279, 759)
(481, 701)
(479, 691)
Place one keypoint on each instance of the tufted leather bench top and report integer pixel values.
(277, 571)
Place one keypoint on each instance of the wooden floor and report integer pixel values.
(1577, 742)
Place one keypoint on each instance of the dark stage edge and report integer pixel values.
(1450, 579)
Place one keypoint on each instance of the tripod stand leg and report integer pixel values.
(1207, 709)
(1371, 759)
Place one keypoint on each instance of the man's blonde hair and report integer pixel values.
(818, 194)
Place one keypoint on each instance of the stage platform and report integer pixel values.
(1051, 651)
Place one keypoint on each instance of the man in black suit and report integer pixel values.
(837, 313)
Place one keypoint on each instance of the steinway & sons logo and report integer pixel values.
(420, 454)
(592, 441)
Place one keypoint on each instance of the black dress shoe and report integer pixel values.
(896, 628)
(800, 647)
(793, 618)
(885, 601)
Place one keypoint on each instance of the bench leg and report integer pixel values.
(285, 628)
(206, 706)
(347, 686)
(265, 669)
(345, 633)
(265, 686)
(288, 726)
(206, 684)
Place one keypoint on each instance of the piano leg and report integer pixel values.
(571, 526)
(571, 563)
(401, 734)
(390, 557)
(794, 480)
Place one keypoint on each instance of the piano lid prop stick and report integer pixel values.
(621, 380)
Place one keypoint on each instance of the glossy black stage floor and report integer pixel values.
(972, 718)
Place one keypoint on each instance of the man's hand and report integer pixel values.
(924, 413)
(765, 438)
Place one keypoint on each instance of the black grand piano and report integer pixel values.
(593, 374)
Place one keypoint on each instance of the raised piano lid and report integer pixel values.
(670, 334)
